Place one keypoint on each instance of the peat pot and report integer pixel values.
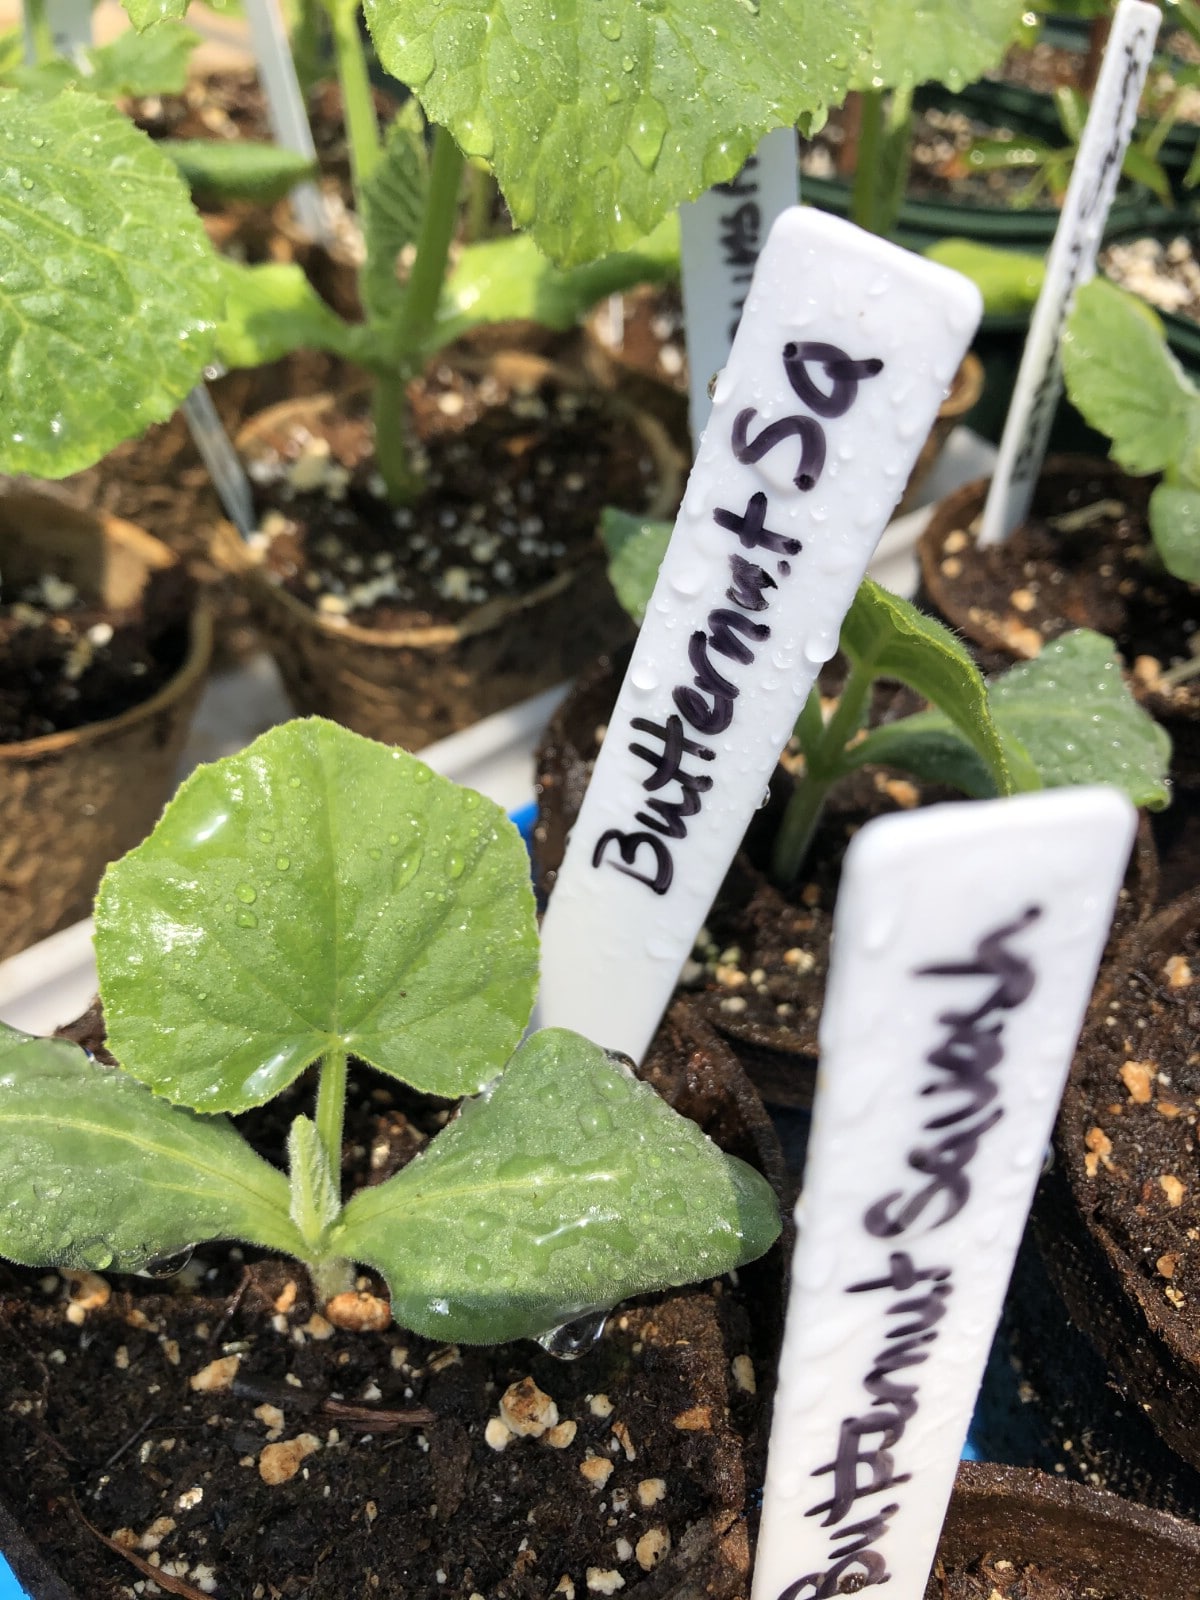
(73, 800)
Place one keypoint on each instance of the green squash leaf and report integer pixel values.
(109, 288)
(510, 279)
(1121, 376)
(146, 13)
(1069, 713)
(891, 638)
(939, 41)
(97, 1172)
(635, 548)
(237, 169)
(317, 891)
(1175, 524)
(141, 63)
(569, 1187)
(394, 198)
(599, 116)
(273, 309)
(1008, 280)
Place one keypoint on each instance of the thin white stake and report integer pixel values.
(70, 27)
(1071, 262)
(722, 234)
(221, 459)
(966, 941)
(286, 110)
(845, 350)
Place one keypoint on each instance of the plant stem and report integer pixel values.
(41, 34)
(362, 129)
(481, 196)
(863, 196)
(433, 251)
(334, 1275)
(880, 176)
(823, 767)
(408, 333)
(331, 1108)
(306, 43)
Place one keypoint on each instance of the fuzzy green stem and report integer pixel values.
(362, 129)
(883, 155)
(331, 1108)
(334, 1275)
(389, 411)
(307, 39)
(481, 196)
(823, 767)
(433, 252)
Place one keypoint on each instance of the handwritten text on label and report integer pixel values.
(707, 705)
(972, 1049)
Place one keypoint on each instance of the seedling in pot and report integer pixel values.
(1124, 380)
(1065, 718)
(318, 897)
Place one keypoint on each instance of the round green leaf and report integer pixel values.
(97, 1172)
(943, 41)
(109, 288)
(599, 116)
(570, 1187)
(317, 891)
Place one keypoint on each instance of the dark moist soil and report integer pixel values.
(647, 333)
(1138, 1079)
(66, 661)
(102, 1423)
(994, 1577)
(515, 479)
(1082, 560)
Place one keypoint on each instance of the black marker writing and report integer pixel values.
(731, 633)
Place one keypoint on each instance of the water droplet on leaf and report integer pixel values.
(574, 1339)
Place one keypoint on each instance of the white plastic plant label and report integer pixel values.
(1071, 262)
(966, 941)
(286, 111)
(845, 349)
(722, 235)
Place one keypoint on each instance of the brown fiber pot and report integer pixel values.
(72, 802)
(412, 686)
(1094, 1544)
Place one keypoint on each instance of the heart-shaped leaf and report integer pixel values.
(636, 547)
(599, 116)
(1068, 713)
(317, 891)
(96, 1172)
(509, 278)
(570, 1186)
(109, 288)
(272, 309)
(891, 638)
(940, 41)
(237, 169)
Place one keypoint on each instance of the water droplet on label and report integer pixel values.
(647, 131)
(574, 1339)
(247, 893)
(644, 675)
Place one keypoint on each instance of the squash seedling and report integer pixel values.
(1065, 718)
(1123, 379)
(316, 897)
